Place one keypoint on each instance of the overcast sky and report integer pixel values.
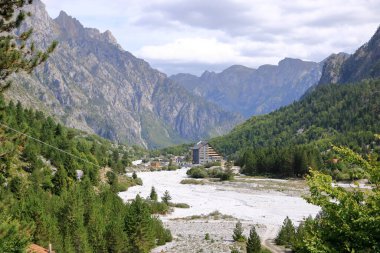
(196, 35)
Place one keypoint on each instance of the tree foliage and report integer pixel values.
(238, 233)
(286, 235)
(42, 197)
(350, 218)
(16, 54)
(253, 243)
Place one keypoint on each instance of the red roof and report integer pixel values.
(34, 248)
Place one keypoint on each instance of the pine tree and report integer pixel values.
(166, 198)
(238, 233)
(287, 233)
(13, 237)
(15, 55)
(153, 194)
(253, 243)
(139, 226)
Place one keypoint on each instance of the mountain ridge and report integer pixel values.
(92, 84)
(363, 64)
(254, 91)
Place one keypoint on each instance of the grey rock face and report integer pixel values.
(254, 91)
(91, 83)
(332, 68)
(363, 64)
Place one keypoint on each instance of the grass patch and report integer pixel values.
(179, 205)
(216, 215)
(193, 181)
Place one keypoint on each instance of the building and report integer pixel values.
(155, 164)
(202, 153)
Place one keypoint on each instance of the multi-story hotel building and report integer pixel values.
(203, 153)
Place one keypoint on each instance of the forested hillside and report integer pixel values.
(334, 114)
(44, 199)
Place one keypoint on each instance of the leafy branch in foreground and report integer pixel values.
(350, 218)
(16, 54)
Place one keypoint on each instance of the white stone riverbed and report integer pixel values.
(251, 201)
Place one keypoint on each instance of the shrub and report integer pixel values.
(197, 172)
(192, 181)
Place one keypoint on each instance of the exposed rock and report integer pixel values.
(91, 83)
(254, 91)
(363, 64)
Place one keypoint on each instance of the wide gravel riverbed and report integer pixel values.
(253, 202)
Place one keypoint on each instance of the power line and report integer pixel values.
(49, 145)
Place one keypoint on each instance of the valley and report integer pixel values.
(261, 202)
(275, 147)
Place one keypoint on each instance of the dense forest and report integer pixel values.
(289, 140)
(60, 196)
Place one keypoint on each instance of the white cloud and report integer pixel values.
(200, 33)
(202, 50)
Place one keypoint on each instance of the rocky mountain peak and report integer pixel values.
(363, 64)
(90, 84)
(254, 91)
(332, 68)
(69, 26)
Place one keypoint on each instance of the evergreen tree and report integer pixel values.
(166, 198)
(238, 233)
(287, 233)
(153, 194)
(15, 55)
(139, 226)
(253, 243)
(13, 237)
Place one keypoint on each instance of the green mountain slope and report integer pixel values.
(59, 186)
(339, 114)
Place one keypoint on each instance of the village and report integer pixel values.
(200, 154)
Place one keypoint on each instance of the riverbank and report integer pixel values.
(261, 202)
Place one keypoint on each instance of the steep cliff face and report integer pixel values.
(363, 64)
(254, 91)
(92, 84)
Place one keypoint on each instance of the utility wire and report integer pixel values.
(47, 144)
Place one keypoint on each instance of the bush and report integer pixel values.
(163, 235)
(211, 164)
(158, 207)
(197, 172)
(192, 181)
(179, 205)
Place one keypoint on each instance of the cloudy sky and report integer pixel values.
(196, 35)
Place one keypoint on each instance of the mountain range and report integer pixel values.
(254, 91)
(91, 83)
(343, 109)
